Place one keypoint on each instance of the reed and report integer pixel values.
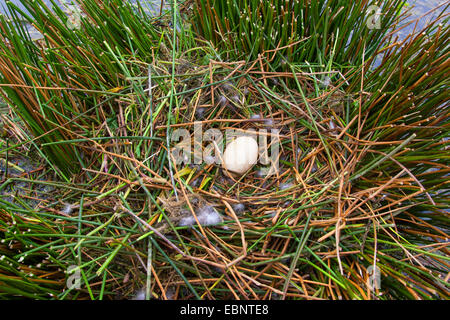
(55, 84)
(363, 163)
(316, 32)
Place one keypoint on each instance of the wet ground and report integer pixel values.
(18, 190)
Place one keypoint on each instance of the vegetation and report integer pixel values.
(90, 189)
(315, 32)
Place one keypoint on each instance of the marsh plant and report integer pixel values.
(358, 206)
(297, 31)
(61, 79)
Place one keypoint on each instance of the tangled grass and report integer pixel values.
(362, 181)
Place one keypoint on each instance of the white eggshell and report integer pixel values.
(240, 154)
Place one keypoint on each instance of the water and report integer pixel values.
(417, 9)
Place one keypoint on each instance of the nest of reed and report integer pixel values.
(362, 179)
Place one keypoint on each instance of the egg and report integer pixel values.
(240, 154)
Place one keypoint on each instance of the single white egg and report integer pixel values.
(240, 154)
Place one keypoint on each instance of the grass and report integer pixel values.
(315, 32)
(363, 176)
